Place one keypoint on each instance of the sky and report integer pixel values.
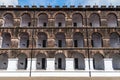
(62, 2)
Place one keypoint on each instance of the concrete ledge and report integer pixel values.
(60, 78)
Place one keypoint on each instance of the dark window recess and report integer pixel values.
(76, 63)
(29, 23)
(59, 24)
(92, 43)
(44, 43)
(43, 63)
(59, 63)
(44, 24)
(75, 24)
(25, 63)
(75, 43)
(27, 43)
(90, 24)
(59, 43)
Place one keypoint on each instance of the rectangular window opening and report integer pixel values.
(59, 24)
(76, 63)
(75, 24)
(59, 63)
(59, 43)
(43, 63)
(75, 43)
(44, 43)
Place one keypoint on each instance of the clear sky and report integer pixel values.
(64, 2)
(69, 2)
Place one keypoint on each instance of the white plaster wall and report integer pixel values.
(69, 64)
(12, 70)
(12, 64)
(50, 64)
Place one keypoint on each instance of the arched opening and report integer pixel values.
(24, 40)
(42, 40)
(60, 62)
(114, 40)
(60, 40)
(94, 20)
(42, 20)
(116, 61)
(41, 61)
(6, 40)
(3, 61)
(77, 20)
(8, 20)
(60, 20)
(25, 20)
(112, 20)
(96, 40)
(98, 62)
(22, 61)
(79, 62)
(78, 40)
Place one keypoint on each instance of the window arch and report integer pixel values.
(116, 61)
(3, 61)
(98, 62)
(60, 62)
(78, 40)
(24, 40)
(41, 61)
(77, 20)
(94, 20)
(42, 40)
(60, 20)
(96, 40)
(60, 40)
(79, 62)
(112, 20)
(6, 40)
(25, 20)
(8, 20)
(42, 20)
(114, 40)
(22, 61)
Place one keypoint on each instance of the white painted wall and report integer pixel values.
(50, 71)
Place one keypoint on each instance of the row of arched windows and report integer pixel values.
(60, 61)
(60, 40)
(60, 20)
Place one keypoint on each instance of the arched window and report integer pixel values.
(78, 40)
(77, 20)
(116, 61)
(25, 20)
(96, 40)
(3, 61)
(6, 40)
(22, 61)
(98, 62)
(60, 20)
(42, 20)
(79, 62)
(42, 40)
(24, 40)
(60, 62)
(112, 20)
(60, 40)
(94, 20)
(114, 40)
(8, 20)
(41, 61)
